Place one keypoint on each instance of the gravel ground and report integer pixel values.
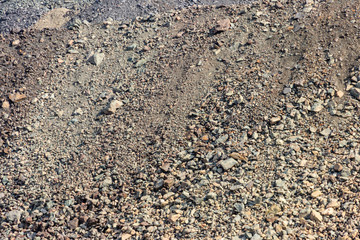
(16, 15)
(208, 122)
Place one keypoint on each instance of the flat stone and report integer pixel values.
(275, 120)
(125, 236)
(316, 216)
(222, 139)
(303, 163)
(169, 182)
(307, 9)
(140, 62)
(238, 156)
(316, 194)
(328, 212)
(342, 143)
(279, 142)
(159, 184)
(69, 202)
(286, 90)
(239, 207)
(326, 132)
(132, 47)
(313, 129)
(107, 182)
(228, 163)
(333, 204)
(17, 97)
(295, 147)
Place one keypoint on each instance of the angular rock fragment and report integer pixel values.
(317, 107)
(113, 106)
(238, 156)
(275, 120)
(338, 167)
(97, 58)
(5, 105)
(174, 217)
(222, 25)
(316, 194)
(326, 132)
(13, 215)
(355, 93)
(228, 163)
(333, 204)
(316, 216)
(74, 223)
(17, 97)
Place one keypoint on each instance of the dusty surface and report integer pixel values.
(182, 125)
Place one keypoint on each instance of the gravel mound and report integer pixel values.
(208, 122)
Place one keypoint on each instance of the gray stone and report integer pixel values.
(78, 111)
(49, 205)
(256, 237)
(317, 107)
(69, 202)
(355, 92)
(228, 163)
(239, 207)
(326, 132)
(159, 184)
(13, 215)
(73, 51)
(342, 143)
(345, 173)
(97, 58)
(211, 195)
(132, 47)
(280, 183)
(107, 182)
(113, 106)
(140, 62)
(286, 90)
(222, 139)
